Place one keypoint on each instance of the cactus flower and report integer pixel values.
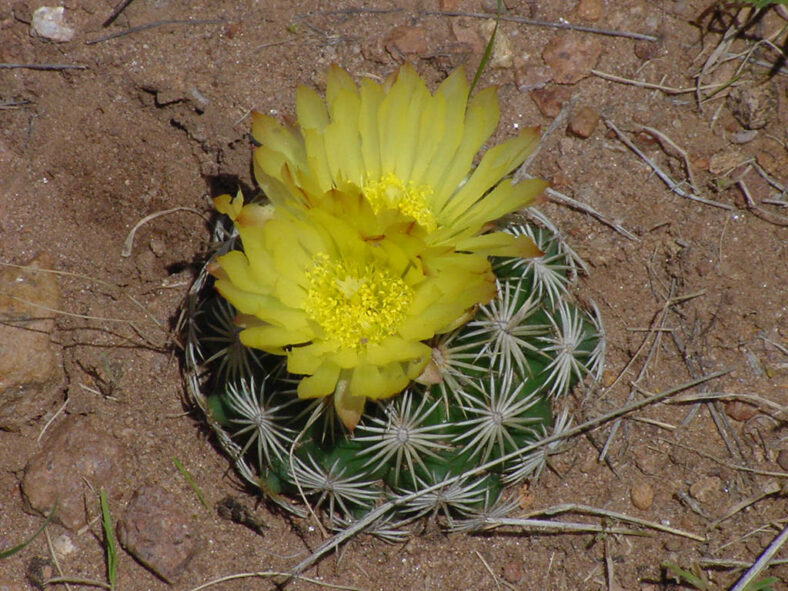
(376, 235)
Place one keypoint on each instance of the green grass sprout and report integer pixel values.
(190, 479)
(11, 551)
(109, 540)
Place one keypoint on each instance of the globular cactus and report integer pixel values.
(479, 388)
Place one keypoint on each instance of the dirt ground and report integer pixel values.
(158, 119)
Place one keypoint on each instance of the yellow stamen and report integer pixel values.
(354, 302)
(410, 199)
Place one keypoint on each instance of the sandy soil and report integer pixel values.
(157, 120)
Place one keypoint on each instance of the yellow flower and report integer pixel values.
(347, 295)
(403, 149)
(375, 238)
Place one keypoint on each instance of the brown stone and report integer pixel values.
(76, 460)
(754, 107)
(550, 99)
(158, 532)
(740, 411)
(782, 459)
(648, 50)
(468, 37)
(584, 122)
(404, 42)
(529, 77)
(642, 495)
(706, 490)
(513, 571)
(31, 376)
(571, 56)
(589, 10)
(723, 162)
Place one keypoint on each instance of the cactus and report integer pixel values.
(493, 385)
(314, 387)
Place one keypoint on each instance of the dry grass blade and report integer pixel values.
(770, 488)
(102, 283)
(268, 574)
(586, 509)
(381, 510)
(7, 66)
(762, 561)
(548, 24)
(673, 185)
(544, 525)
(666, 89)
(128, 244)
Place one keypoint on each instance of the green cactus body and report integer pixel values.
(489, 392)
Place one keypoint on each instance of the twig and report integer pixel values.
(121, 6)
(549, 24)
(762, 561)
(164, 23)
(105, 284)
(665, 89)
(659, 322)
(346, 11)
(753, 398)
(492, 574)
(13, 104)
(759, 63)
(663, 139)
(51, 420)
(556, 197)
(9, 66)
(714, 57)
(589, 510)
(722, 462)
(76, 581)
(768, 489)
(559, 119)
(381, 510)
(772, 218)
(270, 574)
(128, 244)
(672, 185)
(53, 554)
(556, 526)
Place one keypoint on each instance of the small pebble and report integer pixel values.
(549, 100)
(529, 77)
(740, 411)
(642, 495)
(706, 489)
(744, 136)
(571, 57)
(513, 571)
(49, 22)
(467, 37)
(406, 41)
(584, 122)
(502, 54)
(782, 459)
(753, 106)
(648, 50)
(589, 10)
(723, 162)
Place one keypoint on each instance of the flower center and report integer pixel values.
(409, 199)
(355, 303)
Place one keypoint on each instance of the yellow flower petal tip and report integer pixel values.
(377, 236)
